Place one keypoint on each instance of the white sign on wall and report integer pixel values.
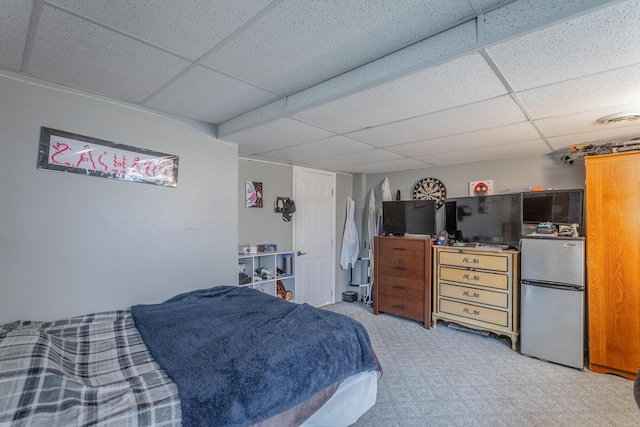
(481, 188)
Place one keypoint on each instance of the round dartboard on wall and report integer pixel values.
(430, 189)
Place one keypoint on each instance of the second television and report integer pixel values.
(494, 219)
(401, 217)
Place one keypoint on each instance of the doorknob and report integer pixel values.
(300, 253)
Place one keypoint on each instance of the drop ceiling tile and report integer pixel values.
(376, 155)
(597, 137)
(388, 166)
(303, 42)
(600, 41)
(458, 82)
(74, 52)
(585, 122)
(206, 95)
(598, 91)
(499, 152)
(14, 27)
(469, 141)
(275, 135)
(189, 30)
(491, 113)
(332, 146)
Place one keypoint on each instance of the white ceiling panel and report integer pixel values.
(390, 165)
(586, 45)
(74, 52)
(468, 141)
(598, 137)
(14, 27)
(480, 115)
(597, 91)
(585, 122)
(328, 147)
(508, 151)
(189, 31)
(209, 96)
(303, 42)
(353, 86)
(278, 134)
(458, 82)
(376, 155)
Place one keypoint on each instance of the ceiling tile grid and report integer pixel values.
(77, 53)
(185, 30)
(209, 96)
(322, 83)
(494, 112)
(458, 82)
(590, 44)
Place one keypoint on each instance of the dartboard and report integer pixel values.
(430, 189)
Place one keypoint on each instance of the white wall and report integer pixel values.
(263, 225)
(73, 244)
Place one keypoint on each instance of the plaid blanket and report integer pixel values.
(87, 370)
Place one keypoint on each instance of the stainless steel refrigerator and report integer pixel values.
(552, 312)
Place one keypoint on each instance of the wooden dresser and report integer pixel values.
(477, 288)
(613, 259)
(402, 277)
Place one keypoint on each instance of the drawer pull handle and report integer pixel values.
(471, 277)
(471, 295)
(401, 306)
(471, 260)
(399, 268)
(398, 287)
(399, 249)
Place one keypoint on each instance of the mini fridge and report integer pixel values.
(552, 314)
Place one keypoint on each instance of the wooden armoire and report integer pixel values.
(613, 262)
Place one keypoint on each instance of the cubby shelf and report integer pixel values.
(263, 270)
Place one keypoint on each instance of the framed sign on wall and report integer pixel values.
(68, 152)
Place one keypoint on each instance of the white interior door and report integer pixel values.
(314, 232)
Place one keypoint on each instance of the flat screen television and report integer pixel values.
(401, 217)
(557, 207)
(493, 220)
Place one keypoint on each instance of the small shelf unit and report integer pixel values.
(274, 266)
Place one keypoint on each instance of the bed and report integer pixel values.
(223, 356)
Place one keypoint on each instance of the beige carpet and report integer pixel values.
(446, 377)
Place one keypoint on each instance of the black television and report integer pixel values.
(400, 217)
(492, 220)
(554, 206)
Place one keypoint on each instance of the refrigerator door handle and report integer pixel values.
(566, 287)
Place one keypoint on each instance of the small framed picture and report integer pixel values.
(253, 194)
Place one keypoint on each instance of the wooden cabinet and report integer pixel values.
(613, 263)
(477, 288)
(402, 277)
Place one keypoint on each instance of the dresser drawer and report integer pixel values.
(401, 306)
(473, 277)
(398, 248)
(400, 287)
(401, 267)
(499, 299)
(470, 311)
(487, 262)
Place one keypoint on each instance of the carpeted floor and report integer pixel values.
(447, 377)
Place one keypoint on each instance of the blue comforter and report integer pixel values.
(239, 356)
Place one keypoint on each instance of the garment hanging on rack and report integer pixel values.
(350, 243)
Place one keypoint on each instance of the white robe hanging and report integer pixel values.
(350, 243)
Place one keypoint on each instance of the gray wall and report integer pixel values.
(73, 244)
(535, 171)
(262, 225)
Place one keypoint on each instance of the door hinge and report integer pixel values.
(332, 191)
